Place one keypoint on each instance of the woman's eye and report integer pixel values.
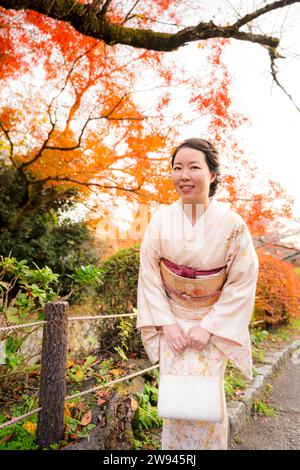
(177, 168)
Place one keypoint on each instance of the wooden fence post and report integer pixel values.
(50, 428)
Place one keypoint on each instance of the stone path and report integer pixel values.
(281, 431)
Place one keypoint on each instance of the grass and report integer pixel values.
(147, 424)
(234, 382)
(19, 436)
(262, 408)
(292, 327)
(258, 354)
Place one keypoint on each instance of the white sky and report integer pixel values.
(272, 138)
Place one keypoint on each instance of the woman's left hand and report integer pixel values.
(197, 337)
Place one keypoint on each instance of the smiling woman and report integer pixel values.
(196, 291)
(195, 170)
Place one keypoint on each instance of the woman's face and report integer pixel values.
(191, 176)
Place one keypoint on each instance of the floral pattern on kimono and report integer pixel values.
(220, 237)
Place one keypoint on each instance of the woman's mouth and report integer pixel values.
(186, 188)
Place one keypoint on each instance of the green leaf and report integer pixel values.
(89, 360)
(87, 275)
(12, 315)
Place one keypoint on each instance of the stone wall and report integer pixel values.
(82, 338)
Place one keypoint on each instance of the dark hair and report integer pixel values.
(211, 157)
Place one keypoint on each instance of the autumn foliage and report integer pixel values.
(277, 298)
(72, 116)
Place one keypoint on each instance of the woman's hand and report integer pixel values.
(197, 337)
(175, 337)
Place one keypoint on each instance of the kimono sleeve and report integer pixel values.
(153, 307)
(230, 316)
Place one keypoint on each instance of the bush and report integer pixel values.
(118, 295)
(278, 292)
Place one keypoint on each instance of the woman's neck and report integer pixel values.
(194, 210)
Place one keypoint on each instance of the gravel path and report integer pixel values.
(281, 431)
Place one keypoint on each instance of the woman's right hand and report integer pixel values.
(175, 337)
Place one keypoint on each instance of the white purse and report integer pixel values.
(191, 397)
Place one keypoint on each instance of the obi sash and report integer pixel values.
(191, 287)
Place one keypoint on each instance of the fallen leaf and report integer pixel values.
(99, 375)
(6, 438)
(133, 355)
(71, 404)
(239, 392)
(81, 406)
(121, 364)
(97, 361)
(134, 404)
(101, 402)
(70, 364)
(103, 394)
(34, 373)
(86, 418)
(116, 372)
(30, 427)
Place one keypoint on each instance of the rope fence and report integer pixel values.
(54, 352)
(83, 317)
(25, 325)
(76, 395)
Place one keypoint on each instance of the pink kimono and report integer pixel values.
(220, 237)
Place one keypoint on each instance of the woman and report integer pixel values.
(196, 287)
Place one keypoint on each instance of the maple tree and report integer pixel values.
(134, 24)
(70, 118)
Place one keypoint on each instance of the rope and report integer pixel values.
(71, 397)
(91, 317)
(25, 325)
(84, 317)
(94, 389)
(19, 418)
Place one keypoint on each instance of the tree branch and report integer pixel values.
(262, 11)
(274, 55)
(6, 133)
(92, 22)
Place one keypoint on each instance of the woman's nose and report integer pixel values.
(185, 174)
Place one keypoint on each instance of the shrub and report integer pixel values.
(278, 292)
(118, 295)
